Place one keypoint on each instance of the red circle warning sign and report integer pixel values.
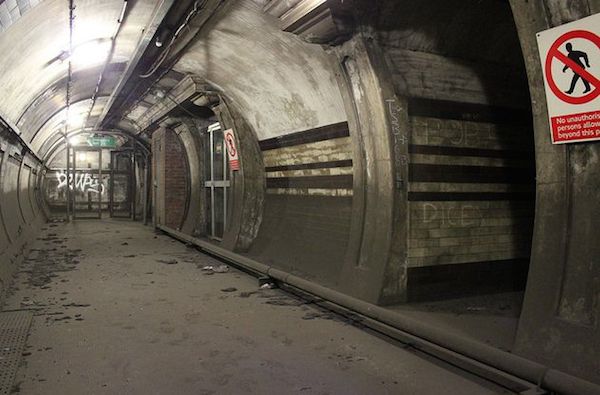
(592, 83)
(231, 145)
(232, 152)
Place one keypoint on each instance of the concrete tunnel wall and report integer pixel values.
(282, 96)
(565, 181)
(313, 201)
(21, 214)
(561, 314)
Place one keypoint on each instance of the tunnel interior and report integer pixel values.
(470, 155)
(382, 151)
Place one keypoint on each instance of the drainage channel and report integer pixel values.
(515, 373)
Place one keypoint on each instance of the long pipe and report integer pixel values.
(545, 377)
(69, 87)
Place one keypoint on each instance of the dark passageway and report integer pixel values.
(299, 196)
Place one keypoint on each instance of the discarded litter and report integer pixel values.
(216, 269)
(266, 282)
(476, 308)
(231, 289)
(247, 294)
(167, 261)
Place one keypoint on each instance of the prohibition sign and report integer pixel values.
(554, 53)
(231, 145)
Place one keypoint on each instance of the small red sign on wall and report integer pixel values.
(232, 151)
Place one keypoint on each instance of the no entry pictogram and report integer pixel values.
(570, 59)
(231, 144)
(554, 53)
(232, 152)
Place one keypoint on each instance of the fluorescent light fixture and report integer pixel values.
(76, 119)
(87, 54)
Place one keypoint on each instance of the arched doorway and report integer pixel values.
(449, 80)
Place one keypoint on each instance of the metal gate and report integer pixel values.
(217, 181)
(87, 184)
(122, 184)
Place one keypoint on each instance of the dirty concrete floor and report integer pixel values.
(120, 310)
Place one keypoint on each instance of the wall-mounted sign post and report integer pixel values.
(232, 150)
(570, 56)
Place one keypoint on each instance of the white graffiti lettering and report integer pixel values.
(82, 182)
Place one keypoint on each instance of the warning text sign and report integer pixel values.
(576, 127)
(570, 56)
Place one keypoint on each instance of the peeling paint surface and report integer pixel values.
(281, 84)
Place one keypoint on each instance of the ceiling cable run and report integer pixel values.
(70, 65)
(197, 8)
(109, 56)
(142, 85)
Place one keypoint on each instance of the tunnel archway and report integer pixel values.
(396, 164)
(95, 173)
(223, 204)
(457, 160)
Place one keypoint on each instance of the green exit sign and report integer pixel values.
(102, 141)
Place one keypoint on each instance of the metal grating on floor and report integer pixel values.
(14, 327)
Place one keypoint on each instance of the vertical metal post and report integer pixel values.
(72, 185)
(212, 184)
(154, 178)
(111, 183)
(68, 179)
(133, 183)
(100, 183)
(225, 159)
(68, 103)
(145, 190)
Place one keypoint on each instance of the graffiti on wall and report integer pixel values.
(400, 140)
(82, 182)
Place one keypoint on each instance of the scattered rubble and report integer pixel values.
(168, 261)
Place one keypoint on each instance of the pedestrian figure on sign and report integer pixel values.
(576, 57)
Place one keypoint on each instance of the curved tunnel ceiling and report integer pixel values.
(280, 83)
(35, 72)
(53, 99)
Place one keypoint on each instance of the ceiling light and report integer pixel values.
(76, 119)
(91, 53)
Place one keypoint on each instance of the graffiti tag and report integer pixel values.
(82, 182)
